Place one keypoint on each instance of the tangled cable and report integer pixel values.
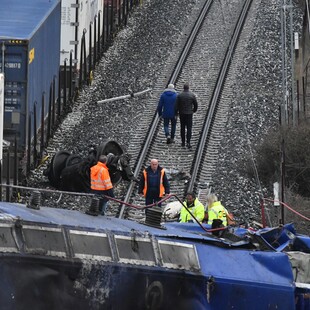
(288, 207)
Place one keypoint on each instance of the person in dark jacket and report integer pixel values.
(154, 183)
(186, 105)
(166, 109)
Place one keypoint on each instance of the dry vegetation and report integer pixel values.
(293, 145)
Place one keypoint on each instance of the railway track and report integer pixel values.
(192, 169)
(199, 64)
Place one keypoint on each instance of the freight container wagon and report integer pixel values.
(29, 59)
(77, 16)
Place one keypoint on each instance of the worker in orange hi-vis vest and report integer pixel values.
(154, 183)
(100, 182)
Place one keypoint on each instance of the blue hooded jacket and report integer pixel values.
(166, 105)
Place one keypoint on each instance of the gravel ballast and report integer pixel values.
(138, 59)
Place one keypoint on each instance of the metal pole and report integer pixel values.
(262, 206)
(8, 176)
(308, 15)
(3, 49)
(70, 77)
(1, 180)
(293, 66)
(282, 180)
(1, 113)
(35, 142)
(16, 161)
(297, 101)
(283, 106)
(95, 40)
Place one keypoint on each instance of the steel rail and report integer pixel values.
(155, 121)
(207, 128)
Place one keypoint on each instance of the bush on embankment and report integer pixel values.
(293, 145)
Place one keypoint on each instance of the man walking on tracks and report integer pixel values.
(186, 105)
(154, 183)
(166, 109)
(101, 183)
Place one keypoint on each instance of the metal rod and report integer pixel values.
(293, 67)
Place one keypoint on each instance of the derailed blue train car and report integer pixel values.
(61, 259)
(29, 59)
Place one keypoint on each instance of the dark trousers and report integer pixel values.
(173, 122)
(186, 121)
(103, 201)
(151, 200)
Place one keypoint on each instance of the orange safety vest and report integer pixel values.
(161, 183)
(100, 178)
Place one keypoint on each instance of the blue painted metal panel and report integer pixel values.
(224, 277)
(20, 19)
(303, 299)
(30, 33)
(15, 96)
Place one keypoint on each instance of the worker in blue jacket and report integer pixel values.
(166, 109)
